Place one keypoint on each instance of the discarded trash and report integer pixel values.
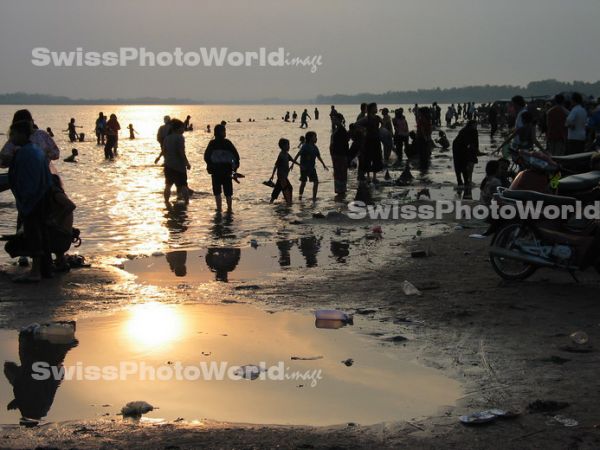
(566, 421)
(330, 324)
(377, 229)
(253, 243)
(409, 289)
(477, 236)
(333, 314)
(249, 372)
(53, 332)
(419, 253)
(579, 337)
(458, 228)
(136, 409)
(348, 362)
(487, 416)
(157, 254)
(477, 418)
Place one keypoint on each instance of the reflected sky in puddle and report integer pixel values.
(383, 383)
(236, 264)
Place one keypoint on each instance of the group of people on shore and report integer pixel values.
(45, 224)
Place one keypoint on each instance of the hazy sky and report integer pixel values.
(366, 46)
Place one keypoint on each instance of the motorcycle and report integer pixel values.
(522, 246)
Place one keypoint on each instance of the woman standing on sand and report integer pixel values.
(112, 137)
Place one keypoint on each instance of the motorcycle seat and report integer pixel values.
(577, 160)
(534, 196)
(580, 182)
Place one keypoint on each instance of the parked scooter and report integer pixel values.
(522, 246)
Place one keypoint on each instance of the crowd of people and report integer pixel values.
(375, 141)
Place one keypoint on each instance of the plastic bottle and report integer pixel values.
(579, 337)
(332, 314)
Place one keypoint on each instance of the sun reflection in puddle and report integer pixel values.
(153, 324)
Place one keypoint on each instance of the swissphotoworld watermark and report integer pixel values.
(200, 57)
(175, 371)
(532, 210)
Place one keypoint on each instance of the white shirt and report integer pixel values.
(576, 122)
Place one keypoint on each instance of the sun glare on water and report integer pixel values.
(154, 325)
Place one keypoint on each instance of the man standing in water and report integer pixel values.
(304, 119)
(222, 160)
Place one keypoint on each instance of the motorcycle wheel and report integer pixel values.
(510, 269)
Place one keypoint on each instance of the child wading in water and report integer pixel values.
(132, 132)
(282, 168)
(308, 154)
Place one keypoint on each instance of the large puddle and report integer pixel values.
(237, 264)
(171, 345)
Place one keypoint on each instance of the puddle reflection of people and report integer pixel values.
(309, 247)
(340, 250)
(284, 247)
(177, 262)
(221, 261)
(34, 398)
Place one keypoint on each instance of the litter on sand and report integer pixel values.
(409, 289)
(477, 236)
(486, 416)
(136, 409)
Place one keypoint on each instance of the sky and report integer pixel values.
(365, 46)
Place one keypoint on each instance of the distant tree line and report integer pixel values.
(479, 94)
(21, 98)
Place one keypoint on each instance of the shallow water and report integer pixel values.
(380, 385)
(120, 207)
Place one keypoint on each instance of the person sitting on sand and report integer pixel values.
(491, 182)
(132, 132)
(72, 158)
(222, 160)
(308, 155)
(176, 162)
(442, 140)
(282, 168)
(31, 182)
(208, 128)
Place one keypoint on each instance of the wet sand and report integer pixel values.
(507, 344)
